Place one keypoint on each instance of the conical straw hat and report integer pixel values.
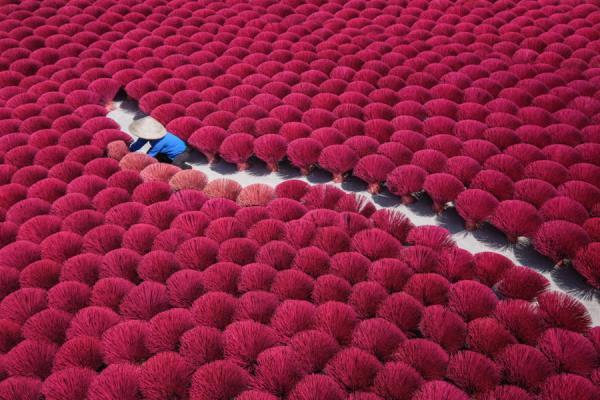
(147, 128)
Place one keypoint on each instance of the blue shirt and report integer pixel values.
(169, 144)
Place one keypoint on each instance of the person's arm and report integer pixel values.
(138, 144)
(155, 148)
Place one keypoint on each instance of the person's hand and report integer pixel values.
(110, 106)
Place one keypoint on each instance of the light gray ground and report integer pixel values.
(486, 238)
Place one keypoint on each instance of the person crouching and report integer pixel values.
(164, 146)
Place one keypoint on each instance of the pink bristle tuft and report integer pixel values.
(125, 179)
(322, 196)
(439, 389)
(366, 298)
(353, 368)
(304, 153)
(546, 170)
(425, 356)
(338, 159)
(522, 283)
(184, 287)
(355, 204)
(569, 352)
(41, 274)
(139, 237)
(92, 321)
(488, 336)
(292, 284)
(20, 388)
(79, 352)
(214, 309)
(561, 311)
(165, 375)
(567, 386)
(583, 192)
(456, 264)
(166, 328)
(427, 288)
(444, 327)
(515, 218)
(473, 372)
(563, 208)
(471, 299)
(81, 268)
(291, 189)
(362, 145)
(350, 266)
(245, 340)
(432, 161)
(136, 161)
(267, 230)
(317, 387)
(378, 337)
(207, 140)
(125, 214)
(585, 261)
(256, 276)
(109, 197)
(109, 292)
(226, 188)
(47, 325)
(330, 288)
(116, 381)
(256, 395)
(145, 300)
(197, 253)
(238, 250)
(463, 168)
(475, 206)
(397, 379)
(102, 239)
(201, 345)
(560, 240)
(27, 176)
(524, 366)
(157, 265)
(125, 343)
(278, 369)
(431, 236)
(237, 148)
(334, 240)
(188, 200)
(69, 296)
(257, 305)
(375, 244)
(23, 303)
(522, 319)
(373, 169)
(442, 188)
(257, 194)
(219, 380)
(405, 180)
(68, 384)
(402, 310)
(221, 277)
(188, 179)
(30, 358)
(490, 267)
(336, 319)
(271, 149)
(392, 274)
